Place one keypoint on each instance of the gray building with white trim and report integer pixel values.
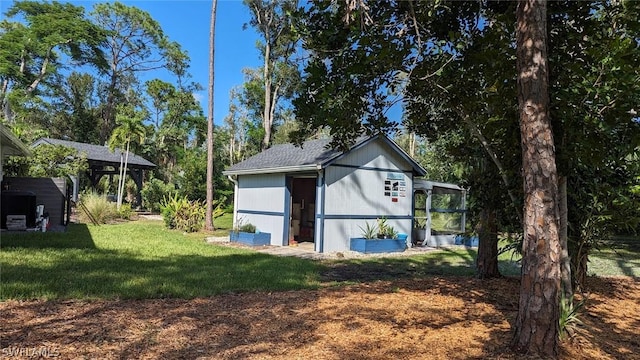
(315, 193)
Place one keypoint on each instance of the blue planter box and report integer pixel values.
(251, 239)
(467, 241)
(370, 246)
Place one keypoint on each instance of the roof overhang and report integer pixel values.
(277, 170)
(96, 161)
(423, 184)
(11, 145)
(416, 168)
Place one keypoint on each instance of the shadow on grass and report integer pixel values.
(110, 274)
(76, 236)
(445, 261)
(619, 256)
(62, 267)
(628, 242)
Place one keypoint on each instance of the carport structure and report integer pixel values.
(102, 161)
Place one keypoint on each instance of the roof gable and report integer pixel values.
(313, 155)
(11, 145)
(287, 157)
(97, 153)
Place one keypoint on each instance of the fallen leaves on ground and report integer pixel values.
(428, 318)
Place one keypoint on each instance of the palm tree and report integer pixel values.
(212, 35)
(129, 128)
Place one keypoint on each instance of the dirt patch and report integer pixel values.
(305, 250)
(434, 318)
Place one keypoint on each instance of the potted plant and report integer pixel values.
(420, 230)
(385, 231)
(248, 234)
(379, 238)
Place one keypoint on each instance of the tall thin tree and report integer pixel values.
(272, 20)
(210, 155)
(129, 128)
(537, 327)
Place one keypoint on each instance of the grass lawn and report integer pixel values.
(620, 258)
(223, 224)
(142, 259)
(138, 260)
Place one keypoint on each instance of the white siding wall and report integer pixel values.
(355, 194)
(263, 197)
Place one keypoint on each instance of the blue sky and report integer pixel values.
(187, 22)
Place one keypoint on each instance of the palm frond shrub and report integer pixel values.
(180, 213)
(569, 315)
(369, 231)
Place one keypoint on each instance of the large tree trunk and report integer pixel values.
(210, 154)
(536, 327)
(487, 262)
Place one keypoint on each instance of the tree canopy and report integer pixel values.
(65, 71)
(452, 65)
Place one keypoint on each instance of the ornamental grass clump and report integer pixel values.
(569, 315)
(96, 208)
(369, 231)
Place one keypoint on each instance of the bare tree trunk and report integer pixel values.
(4, 103)
(580, 261)
(120, 176)
(267, 118)
(41, 74)
(565, 266)
(232, 146)
(123, 178)
(108, 112)
(210, 154)
(412, 144)
(494, 157)
(536, 326)
(487, 261)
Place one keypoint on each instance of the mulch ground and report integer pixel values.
(429, 318)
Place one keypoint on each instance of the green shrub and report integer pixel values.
(153, 192)
(125, 211)
(248, 228)
(182, 214)
(243, 226)
(96, 206)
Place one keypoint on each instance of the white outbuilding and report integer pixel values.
(326, 196)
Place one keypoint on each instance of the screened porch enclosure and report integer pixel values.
(439, 213)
